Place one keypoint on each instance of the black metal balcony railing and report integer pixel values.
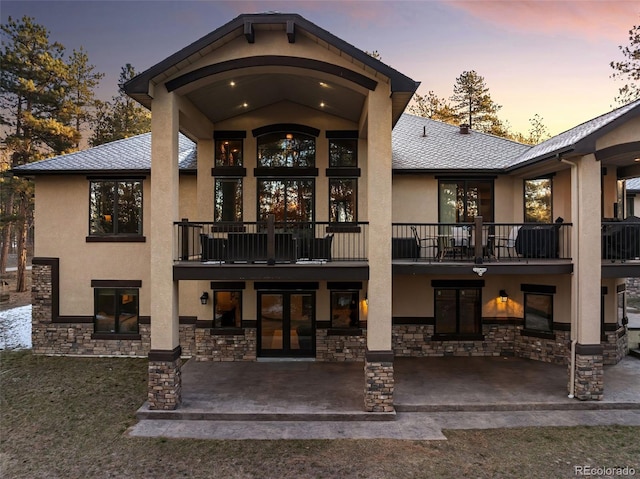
(437, 242)
(270, 242)
(620, 241)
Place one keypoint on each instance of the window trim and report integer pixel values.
(533, 331)
(465, 181)
(117, 237)
(228, 179)
(354, 221)
(217, 326)
(117, 286)
(524, 203)
(463, 285)
(354, 293)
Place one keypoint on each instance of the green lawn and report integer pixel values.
(66, 418)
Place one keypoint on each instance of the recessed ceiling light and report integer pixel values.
(322, 104)
(637, 160)
(324, 85)
(232, 83)
(245, 104)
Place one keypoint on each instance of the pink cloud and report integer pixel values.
(591, 20)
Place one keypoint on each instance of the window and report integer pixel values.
(538, 312)
(228, 199)
(622, 309)
(116, 310)
(343, 153)
(342, 200)
(280, 149)
(345, 309)
(460, 201)
(538, 201)
(227, 307)
(228, 153)
(287, 199)
(458, 312)
(115, 207)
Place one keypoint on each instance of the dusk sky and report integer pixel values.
(545, 57)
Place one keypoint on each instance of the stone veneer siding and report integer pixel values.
(379, 385)
(589, 377)
(415, 340)
(340, 347)
(225, 347)
(615, 346)
(165, 384)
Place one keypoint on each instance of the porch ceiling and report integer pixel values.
(242, 93)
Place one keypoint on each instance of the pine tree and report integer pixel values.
(629, 69)
(36, 113)
(433, 107)
(83, 79)
(122, 117)
(473, 104)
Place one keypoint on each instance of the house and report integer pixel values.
(284, 205)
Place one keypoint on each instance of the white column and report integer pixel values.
(164, 211)
(379, 214)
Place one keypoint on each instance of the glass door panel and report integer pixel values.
(301, 321)
(271, 322)
(469, 318)
(445, 311)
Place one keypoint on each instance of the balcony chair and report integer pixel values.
(428, 242)
(459, 240)
(508, 244)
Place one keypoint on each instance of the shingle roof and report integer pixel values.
(129, 154)
(422, 144)
(570, 139)
(633, 184)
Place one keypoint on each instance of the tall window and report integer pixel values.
(227, 307)
(228, 153)
(228, 199)
(116, 310)
(343, 153)
(344, 309)
(538, 312)
(538, 201)
(342, 200)
(115, 207)
(287, 199)
(343, 183)
(280, 149)
(458, 312)
(460, 201)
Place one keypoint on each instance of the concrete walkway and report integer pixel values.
(309, 400)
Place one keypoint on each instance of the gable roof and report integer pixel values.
(129, 156)
(579, 139)
(420, 144)
(402, 87)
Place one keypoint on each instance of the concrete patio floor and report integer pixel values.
(313, 400)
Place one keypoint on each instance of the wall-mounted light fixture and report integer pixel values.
(204, 299)
(503, 295)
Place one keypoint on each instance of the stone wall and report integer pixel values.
(615, 346)
(165, 384)
(589, 377)
(556, 351)
(339, 347)
(415, 340)
(379, 386)
(225, 347)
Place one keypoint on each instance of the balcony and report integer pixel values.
(621, 248)
(271, 250)
(455, 248)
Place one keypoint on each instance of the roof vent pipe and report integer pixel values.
(464, 129)
(424, 131)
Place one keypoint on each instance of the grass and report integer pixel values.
(67, 417)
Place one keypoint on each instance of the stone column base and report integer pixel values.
(165, 379)
(589, 372)
(379, 383)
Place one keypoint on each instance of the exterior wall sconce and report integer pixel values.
(503, 296)
(204, 299)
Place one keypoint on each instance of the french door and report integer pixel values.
(286, 324)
